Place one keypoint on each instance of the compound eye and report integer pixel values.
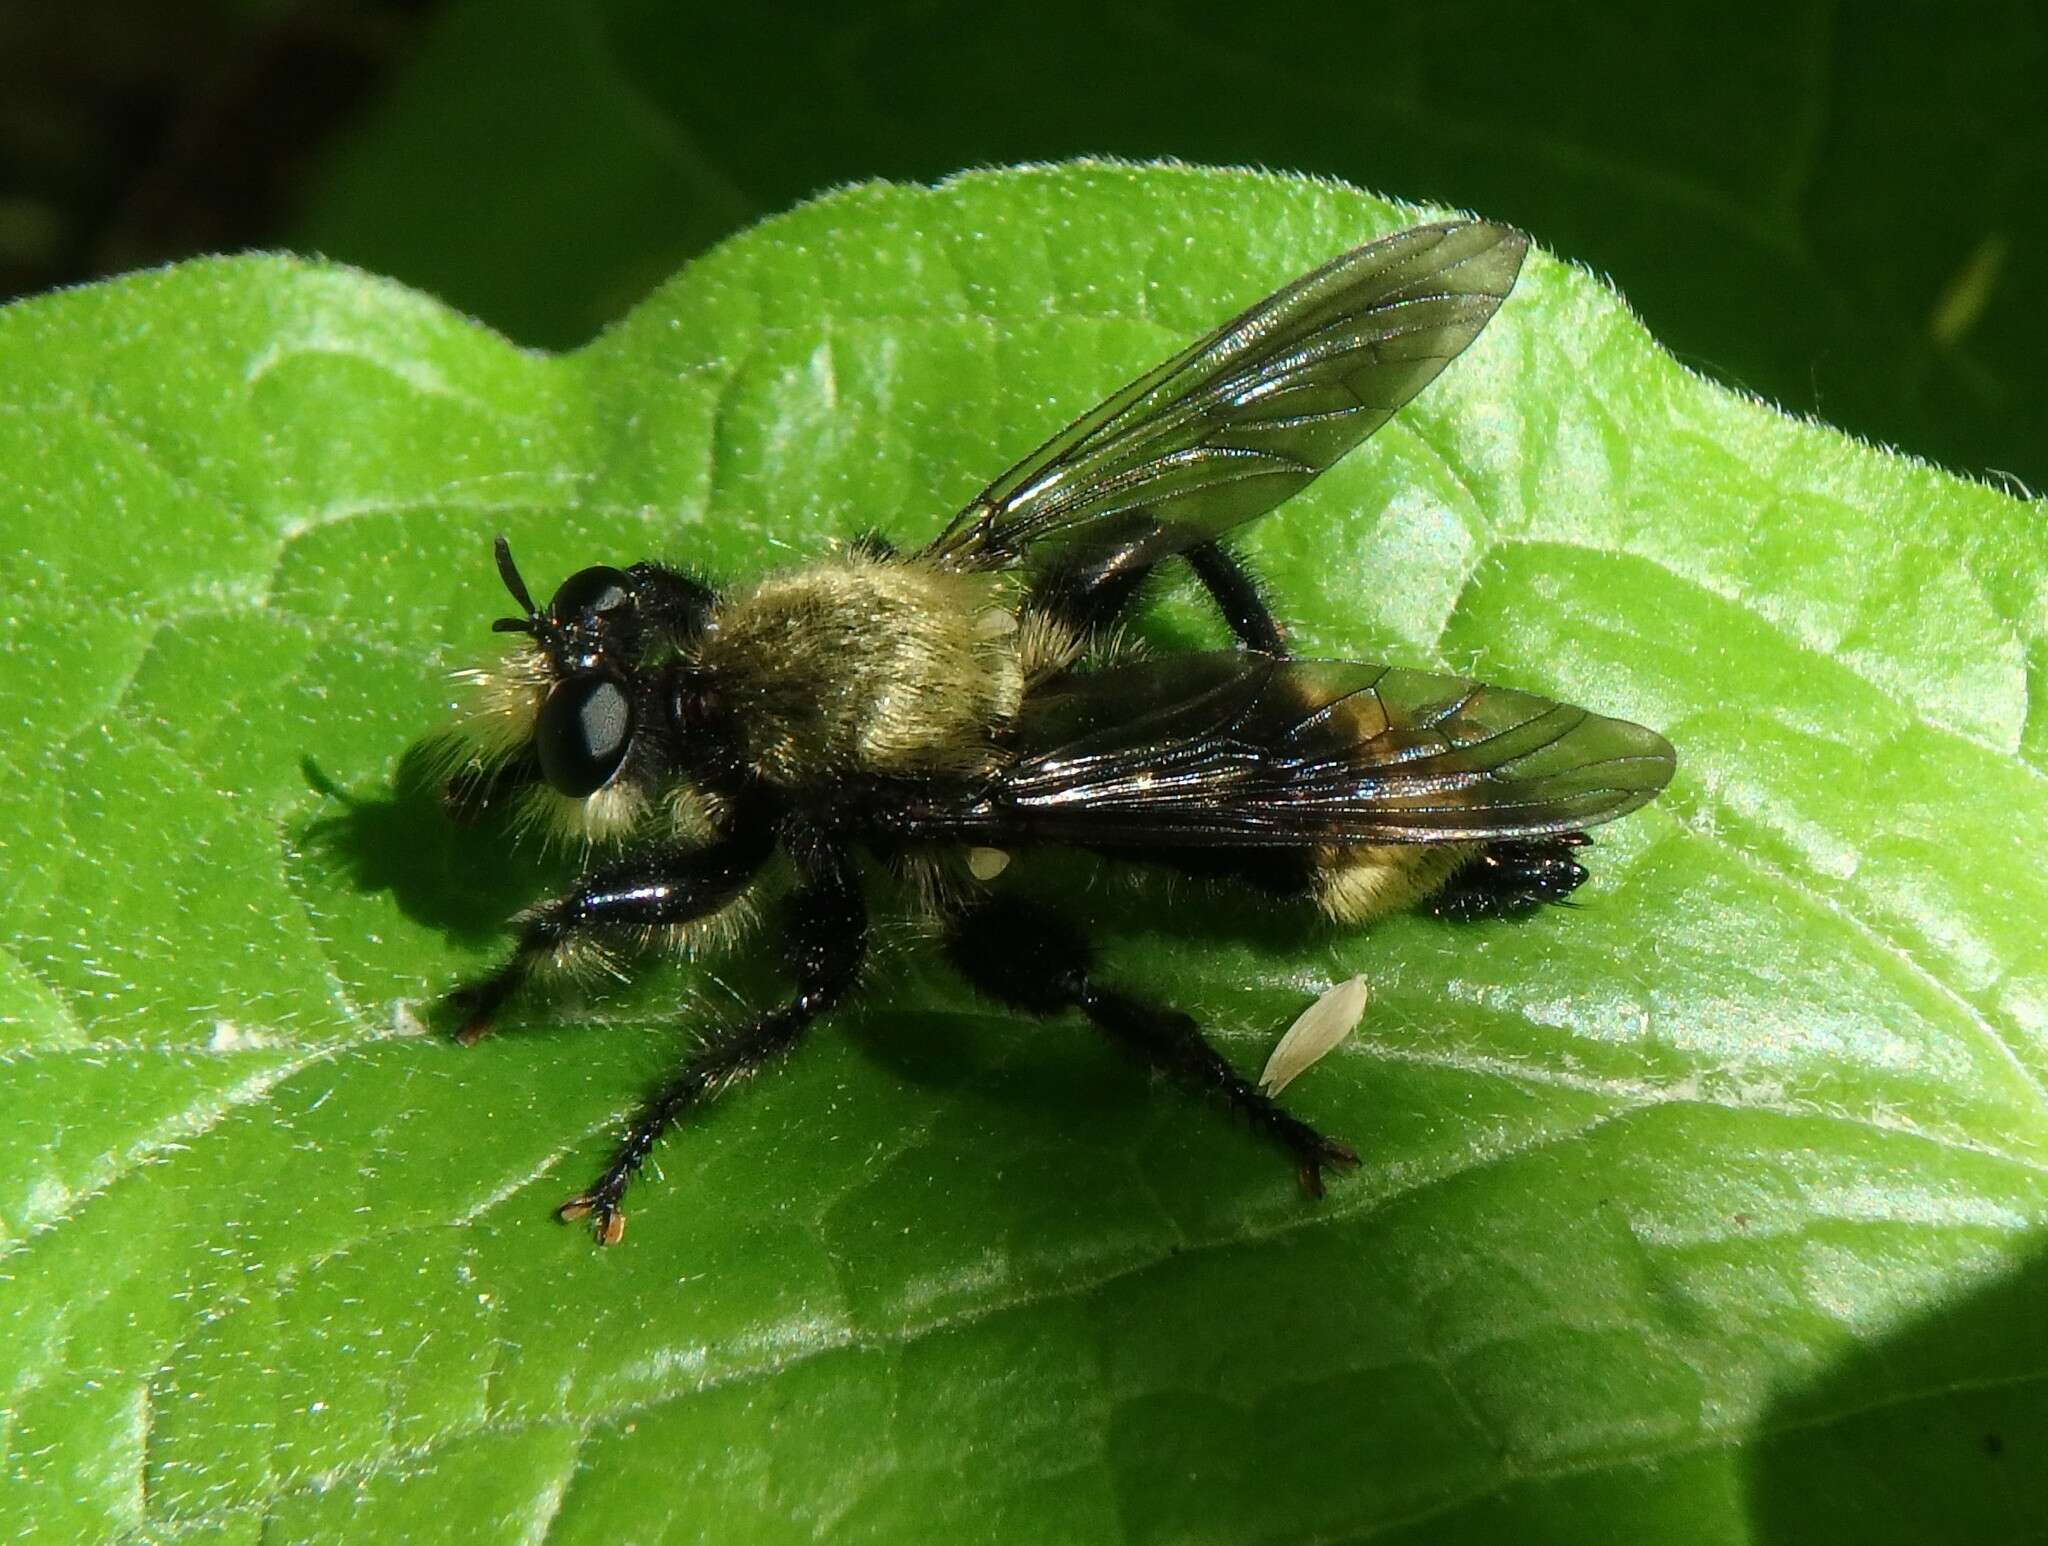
(590, 590)
(584, 729)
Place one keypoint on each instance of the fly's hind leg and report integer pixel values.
(1088, 591)
(824, 944)
(1238, 597)
(1031, 960)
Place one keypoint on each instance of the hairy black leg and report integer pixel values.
(1088, 590)
(1031, 960)
(647, 892)
(824, 942)
(1238, 598)
(1508, 879)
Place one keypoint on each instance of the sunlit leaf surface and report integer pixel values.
(1706, 1210)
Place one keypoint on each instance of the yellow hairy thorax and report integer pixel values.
(867, 665)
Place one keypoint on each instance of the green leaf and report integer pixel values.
(1706, 1211)
(1736, 168)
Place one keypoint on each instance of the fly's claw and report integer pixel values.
(607, 1223)
(1311, 1159)
(478, 1004)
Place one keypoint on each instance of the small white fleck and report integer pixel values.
(1320, 1028)
(230, 1037)
(986, 863)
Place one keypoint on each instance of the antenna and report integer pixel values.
(509, 573)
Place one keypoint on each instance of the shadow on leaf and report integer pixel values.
(463, 879)
(1935, 1433)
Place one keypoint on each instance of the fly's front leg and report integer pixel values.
(655, 891)
(1027, 958)
(824, 944)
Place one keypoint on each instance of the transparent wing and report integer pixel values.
(1230, 427)
(1237, 749)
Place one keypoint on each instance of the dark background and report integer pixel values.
(1838, 207)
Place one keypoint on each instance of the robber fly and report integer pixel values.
(756, 748)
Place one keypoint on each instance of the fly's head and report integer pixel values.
(579, 708)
